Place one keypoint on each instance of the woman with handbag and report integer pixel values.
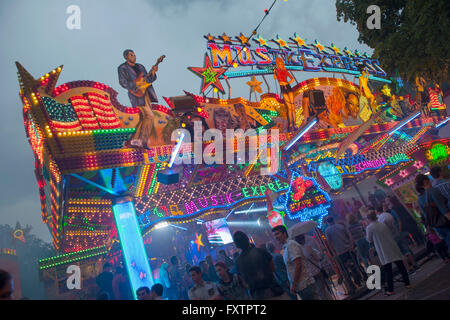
(434, 205)
(314, 265)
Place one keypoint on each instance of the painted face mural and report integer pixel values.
(163, 125)
(352, 105)
(222, 119)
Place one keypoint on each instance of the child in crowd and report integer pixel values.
(439, 245)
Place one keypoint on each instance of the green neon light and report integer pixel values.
(72, 260)
(152, 185)
(210, 75)
(108, 131)
(71, 253)
(397, 158)
(438, 152)
(61, 259)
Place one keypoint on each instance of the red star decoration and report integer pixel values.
(209, 75)
(299, 187)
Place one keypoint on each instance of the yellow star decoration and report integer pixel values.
(348, 52)
(243, 39)
(254, 85)
(198, 241)
(225, 38)
(209, 37)
(261, 41)
(386, 91)
(281, 42)
(335, 49)
(319, 47)
(299, 41)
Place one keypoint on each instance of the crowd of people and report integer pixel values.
(378, 234)
(367, 236)
(374, 235)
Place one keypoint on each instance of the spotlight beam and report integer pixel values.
(300, 133)
(442, 122)
(177, 148)
(404, 122)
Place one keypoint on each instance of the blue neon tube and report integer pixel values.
(138, 267)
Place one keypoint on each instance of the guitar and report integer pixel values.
(141, 83)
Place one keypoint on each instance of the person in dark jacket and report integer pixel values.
(129, 71)
(429, 194)
(104, 280)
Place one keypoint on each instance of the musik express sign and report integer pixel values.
(297, 55)
(194, 207)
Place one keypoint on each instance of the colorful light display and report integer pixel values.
(306, 57)
(72, 257)
(210, 75)
(82, 139)
(305, 200)
(438, 152)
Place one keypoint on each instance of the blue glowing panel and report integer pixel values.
(136, 260)
(331, 175)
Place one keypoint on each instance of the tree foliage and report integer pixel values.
(414, 35)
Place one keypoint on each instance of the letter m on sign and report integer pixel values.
(190, 207)
(223, 54)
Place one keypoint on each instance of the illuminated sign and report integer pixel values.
(305, 200)
(275, 218)
(207, 202)
(374, 164)
(353, 165)
(300, 58)
(437, 152)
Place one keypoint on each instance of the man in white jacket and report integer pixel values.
(387, 250)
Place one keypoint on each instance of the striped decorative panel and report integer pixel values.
(103, 110)
(436, 101)
(85, 113)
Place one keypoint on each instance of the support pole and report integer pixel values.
(360, 194)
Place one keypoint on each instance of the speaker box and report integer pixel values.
(318, 99)
(169, 175)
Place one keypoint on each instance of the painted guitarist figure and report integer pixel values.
(134, 78)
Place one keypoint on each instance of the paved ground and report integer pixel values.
(430, 282)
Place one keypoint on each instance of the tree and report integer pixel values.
(414, 35)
